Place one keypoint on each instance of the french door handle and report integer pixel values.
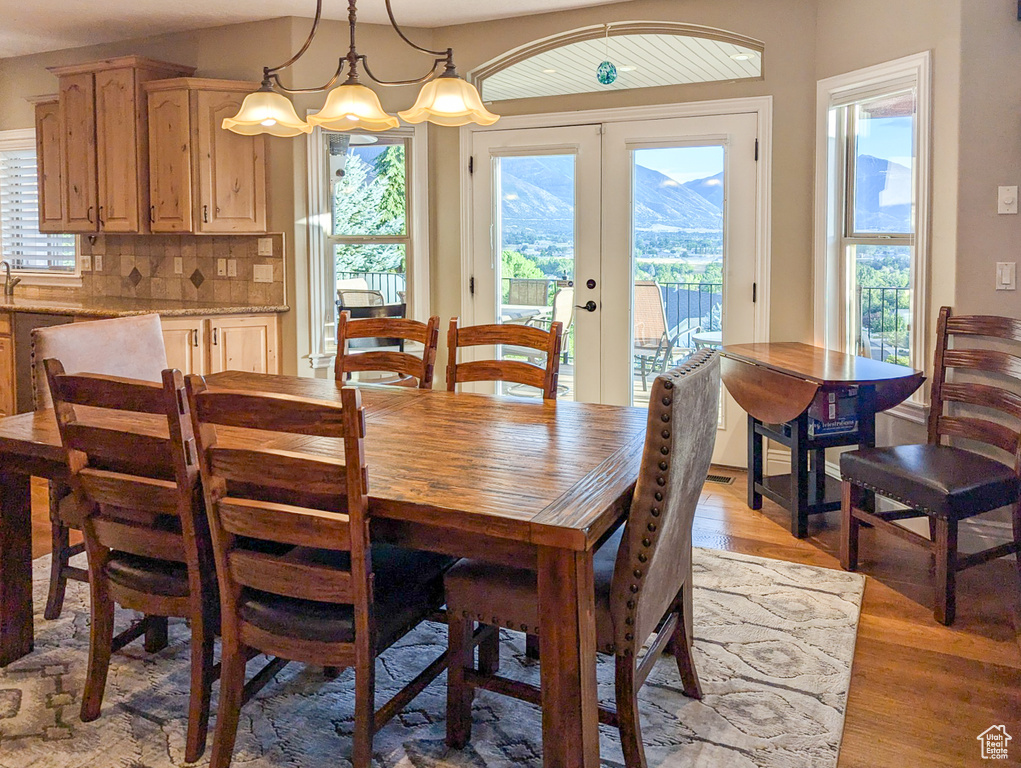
(588, 306)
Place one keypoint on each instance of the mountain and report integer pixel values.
(664, 203)
(882, 195)
(711, 188)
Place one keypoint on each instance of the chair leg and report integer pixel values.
(59, 544)
(680, 646)
(627, 713)
(849, 526)
(459, 693)
(489, 654)
(1017, 534)
(946, 570)
(100, 648)
(155, 634)
(201, 688)
(532, 647)
(365, 712)
(228, 711)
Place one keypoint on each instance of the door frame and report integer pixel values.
(761, 106)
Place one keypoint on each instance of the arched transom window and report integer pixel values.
(640, 54)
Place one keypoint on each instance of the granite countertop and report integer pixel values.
(122, 307)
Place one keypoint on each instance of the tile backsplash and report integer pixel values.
(142, 267)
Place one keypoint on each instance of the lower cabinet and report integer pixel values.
(7, 401)
(222, 343)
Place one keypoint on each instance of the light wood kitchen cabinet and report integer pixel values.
(104, 142)
(222, 343)
(185, 341)
(50, 164)
(202, 178)
(7, 402)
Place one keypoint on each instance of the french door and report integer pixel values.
(648, 226)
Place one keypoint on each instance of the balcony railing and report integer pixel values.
(885, 315)
(697, 303)
(390, 284)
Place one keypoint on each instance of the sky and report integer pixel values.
(682, 164)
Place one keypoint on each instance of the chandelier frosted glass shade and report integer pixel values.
(449, 101)
(266, 111)
(351, 106)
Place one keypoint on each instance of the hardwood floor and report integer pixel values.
(920, 692)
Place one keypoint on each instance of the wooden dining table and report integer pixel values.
(504, 479)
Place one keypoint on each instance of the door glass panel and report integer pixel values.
(677, 256)
(535, 235)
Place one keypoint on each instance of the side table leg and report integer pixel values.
(754, 464)
(16, 636)
(799, 476)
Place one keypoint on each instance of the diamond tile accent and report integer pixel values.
(135, 277)
(197, 278)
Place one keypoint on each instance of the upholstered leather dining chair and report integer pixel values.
(299, 576)
(131, 347)
(410, 370)
(144, 524)
(544, 378)
(948, 483)
(642, 572)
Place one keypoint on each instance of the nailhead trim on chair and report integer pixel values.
(887, 494)
(642, 556)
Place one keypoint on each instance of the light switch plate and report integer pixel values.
(97, 263)
(265, 246)
(232, 267)
(1006, 275)
(1007, 200)
(179, 265)
(221, 267)
(86, 262)
(262, 273)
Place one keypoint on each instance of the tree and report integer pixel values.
(370, 200)
(516, 264)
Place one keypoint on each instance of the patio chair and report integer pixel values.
(641, 574)
(653, 342)
(359, 297)
(562, 312)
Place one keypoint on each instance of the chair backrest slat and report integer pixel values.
(142, 540)
(270, 412)
(274, 574)
(119, 489)
(517, 371)
(285, 523)
(319, 475)
(99, 391)
(394, 329)
(654, 559)
(961, 406)
(115, 447)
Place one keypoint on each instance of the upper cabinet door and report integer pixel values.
(50, 162)
(170, 186)
(78, 146)
(231, 169)
(116, 149)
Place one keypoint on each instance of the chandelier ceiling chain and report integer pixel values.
(445, 99)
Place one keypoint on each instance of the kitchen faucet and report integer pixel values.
(8, 282)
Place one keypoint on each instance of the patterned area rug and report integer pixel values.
(774, 643)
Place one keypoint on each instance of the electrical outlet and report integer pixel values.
(97, 263)
(86, 261)
(232, 267)
(179, 265)
(262, 273)
(221, 267)
(265, 246)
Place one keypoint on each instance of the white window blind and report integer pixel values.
(21, 243)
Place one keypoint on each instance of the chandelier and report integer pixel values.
(445, 98)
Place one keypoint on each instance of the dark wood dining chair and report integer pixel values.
(410, 370)
(144, 525)
(544, 378)
(949, 483)
(124, 346)
(299, 577)
(642, 572)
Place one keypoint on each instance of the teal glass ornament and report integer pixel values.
(606, 73)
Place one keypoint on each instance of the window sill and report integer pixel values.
(37, 278)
